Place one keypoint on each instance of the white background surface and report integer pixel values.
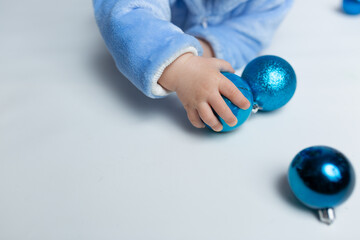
(84, 155)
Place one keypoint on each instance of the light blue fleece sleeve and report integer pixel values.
(249, 29)
(142, 40)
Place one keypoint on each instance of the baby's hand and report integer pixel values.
(199, 86)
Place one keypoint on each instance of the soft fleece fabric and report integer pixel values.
(145, 36)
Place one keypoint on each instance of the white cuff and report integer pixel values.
(158, 90)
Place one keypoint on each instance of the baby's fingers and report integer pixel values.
(229, 90)
(207, 115)
(194, 118)
(222, 109)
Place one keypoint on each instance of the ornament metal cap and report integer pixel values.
(255, 108)
(327, 215)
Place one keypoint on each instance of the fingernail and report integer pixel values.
(233, 123)
(247, 105)
(218, 129)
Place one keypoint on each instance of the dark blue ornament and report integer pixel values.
(321, 178)
(351, 7)
(272, 81)
(240, 114)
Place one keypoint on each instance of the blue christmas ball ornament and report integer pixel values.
(321, 178)
(272, 81)
(240, 114)
(351, 7)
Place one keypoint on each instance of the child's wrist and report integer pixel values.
(172, 73)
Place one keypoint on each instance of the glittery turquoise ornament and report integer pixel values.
(321, 178)
(239, 113)
(351, 7)
(272, 81)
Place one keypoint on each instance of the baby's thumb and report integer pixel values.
(224, 66)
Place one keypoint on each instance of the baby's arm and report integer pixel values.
(249, 29)
(146, 46)
(142, 40)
